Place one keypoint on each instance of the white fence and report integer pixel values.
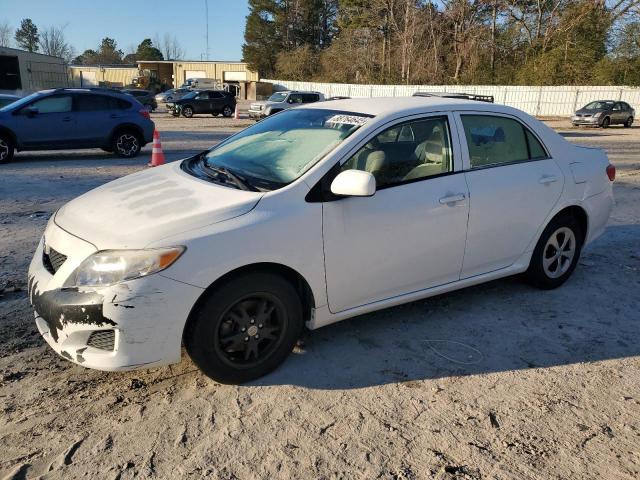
(560, 101)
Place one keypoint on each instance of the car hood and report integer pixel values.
(583, 111)
(147, 206)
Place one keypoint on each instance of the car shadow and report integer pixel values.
(500, 326)
(582, 134)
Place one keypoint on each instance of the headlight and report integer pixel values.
(597, 115)
(112, 266)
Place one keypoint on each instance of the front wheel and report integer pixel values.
(126, 144)
(245, 328)
(214, 114)
(628, 122)
(187, 111)
(227, 111)
(556, 254)
(6, 149)
(606, 122)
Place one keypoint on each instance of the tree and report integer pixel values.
(53, 42)
(5, 34)
(27, 35)
(262, 41)
(107, 54)
(147, 51)
(169, 46)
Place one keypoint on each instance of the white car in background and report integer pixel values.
(315, 215)
(280, 101)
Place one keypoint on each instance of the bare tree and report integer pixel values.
(53, 42)
(169, 46)
(5, 34)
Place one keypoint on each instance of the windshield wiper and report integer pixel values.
(225, 174)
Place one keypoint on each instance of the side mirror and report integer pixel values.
(289, 100)
(31, 111)
(354, 183)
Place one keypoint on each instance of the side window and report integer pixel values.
(394, 156)
(295, 98)
(92, 103)
(215, 95)
(310, 97)
(118, 104)
(496, 140)
(617, 107)
(54, 104)
(202, 96)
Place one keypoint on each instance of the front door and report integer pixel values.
(46, 123)
(410, 235)
(513, 186)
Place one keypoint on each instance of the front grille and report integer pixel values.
(102, 339)
(53, 260)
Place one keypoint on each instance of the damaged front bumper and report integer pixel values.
(129, 325)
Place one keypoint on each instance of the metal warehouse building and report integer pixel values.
(22, 70)
(234, 76)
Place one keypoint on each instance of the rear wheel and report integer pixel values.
(227, 111)
(6, 149)
(187, 111)
(556, 254)
(628, 123)
(606, 122)
(245, 328)
(215, 114)
(126, 144)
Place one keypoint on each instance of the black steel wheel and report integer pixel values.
(6, 149)
(227, 111)
(126, 144)
(606, 122)
(187, 111)
(628, 122)
(245, 327)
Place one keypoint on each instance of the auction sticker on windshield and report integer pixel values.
(348, 120)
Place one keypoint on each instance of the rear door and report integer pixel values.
(217, 101)
(52, 124)
(97, 117)
(202, 103)
(513, 185)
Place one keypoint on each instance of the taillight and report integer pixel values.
(611, 172)
(145, 114)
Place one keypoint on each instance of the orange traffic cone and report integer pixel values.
(157, 156)
(237, 114)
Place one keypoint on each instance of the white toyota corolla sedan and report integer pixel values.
(314, 215)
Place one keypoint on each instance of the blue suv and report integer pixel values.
(68, 118)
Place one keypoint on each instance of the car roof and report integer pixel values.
(383, 106)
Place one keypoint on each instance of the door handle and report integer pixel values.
(113, 115)
(67, 119)
(547, 179)
(452, 198)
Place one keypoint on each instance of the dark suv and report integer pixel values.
(214, 102)
(603, 113)
(145, 97)
(68, 118)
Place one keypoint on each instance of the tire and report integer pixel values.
(546, 273)
(227, 111)
(628, 122)
(239, 358)
(107, 149)
(126, 144)
(606, 122)
(7, 149)
(214, 114)
(187, 111)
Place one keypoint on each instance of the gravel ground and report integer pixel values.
(498, 381)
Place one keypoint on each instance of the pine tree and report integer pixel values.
(27, 35)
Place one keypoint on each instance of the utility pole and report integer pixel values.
(206, 13)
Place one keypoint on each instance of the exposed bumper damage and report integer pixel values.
(122, 327)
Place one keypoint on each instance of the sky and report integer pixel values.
(131, 21)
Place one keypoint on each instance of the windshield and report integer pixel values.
(599, 106)
(19, 103)
(279, 149)
(278, 97)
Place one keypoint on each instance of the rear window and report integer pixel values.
(92, 103)
(119, 104)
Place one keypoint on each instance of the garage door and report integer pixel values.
(9, 73)
(194, 74)
(88, 79)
